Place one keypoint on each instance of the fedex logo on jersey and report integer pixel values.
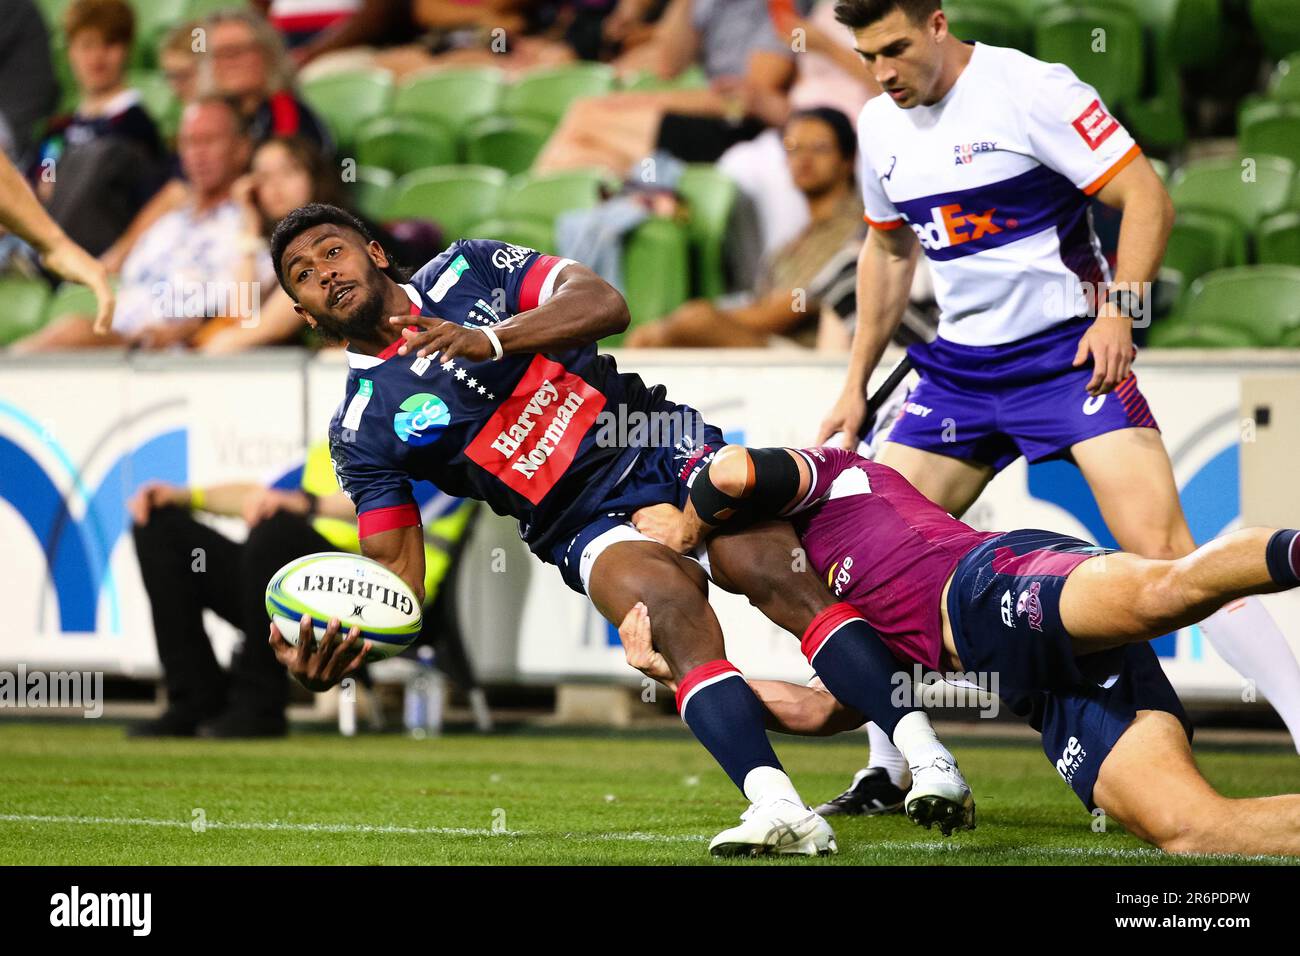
(967, 221)
(533, 437)
(951, 225)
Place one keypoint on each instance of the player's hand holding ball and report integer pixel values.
(319, 664)
(449, 340)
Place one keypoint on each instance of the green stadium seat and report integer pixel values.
(547, 94)
(1065, 35)
(457, 97)
(1271, 128)
(22, 307)
(692, 78)
(1201, 242)
(1172, 335)
(69, 299)
(1278, 26)
(345, 100)
(1219, 185)
(403, 144)
(520, 232)
(1264, 300)
(656, 271)
(371, 189)
(509, 143)
(152, 14)
(455, 197)
(542, 197)
(1277, 240)
(1285, 83)
(1189, 32)
(994, 22)
(710, 197)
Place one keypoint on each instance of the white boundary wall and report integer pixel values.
(85, 431)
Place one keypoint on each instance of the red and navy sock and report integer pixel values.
(727, 718)
(1283, 556)
(854, 664)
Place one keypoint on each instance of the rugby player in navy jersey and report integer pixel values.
(481, 375)
(1061, 624)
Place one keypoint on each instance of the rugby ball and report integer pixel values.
(356, 590)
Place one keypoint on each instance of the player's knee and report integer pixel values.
(730, 471)
(1162, 596)
(1190, 831)
(1162, 544)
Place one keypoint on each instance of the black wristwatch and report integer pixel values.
(313, 504)
(1128, 302)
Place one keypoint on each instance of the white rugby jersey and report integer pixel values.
(994, 179)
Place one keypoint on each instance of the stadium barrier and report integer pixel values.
(67, 466)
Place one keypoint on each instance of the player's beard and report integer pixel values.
(360, 323)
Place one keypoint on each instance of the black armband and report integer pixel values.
(773, 487)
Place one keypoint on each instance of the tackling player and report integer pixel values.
(986, 160)
(481, 375)
(1062, 624)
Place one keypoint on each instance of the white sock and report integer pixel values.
(768, 783)
(1246, 636)
(887, 757)
(916, 739)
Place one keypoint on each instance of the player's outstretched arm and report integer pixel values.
(583, 308)
(739, 485)
(401, 550)
(885, 269)
(791, 708)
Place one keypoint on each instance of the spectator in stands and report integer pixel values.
(28, 90)
(179, 61)
(97, 166)
(185, 267)
(828, 72)
(246, 61)
(284, 524)
(287, 172)
(820, 146)
(749, 68)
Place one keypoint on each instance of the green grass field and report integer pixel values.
(81, 793)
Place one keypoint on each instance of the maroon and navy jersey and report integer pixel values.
(524, 434)
(883, 547)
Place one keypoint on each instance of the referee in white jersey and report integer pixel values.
(987, 160)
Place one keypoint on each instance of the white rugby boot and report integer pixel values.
(940, 795)
(776, 826)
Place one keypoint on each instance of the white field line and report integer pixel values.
(903, 846)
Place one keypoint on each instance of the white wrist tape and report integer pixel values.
(497, 351)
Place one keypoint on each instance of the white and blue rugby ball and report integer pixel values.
(356, 590)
